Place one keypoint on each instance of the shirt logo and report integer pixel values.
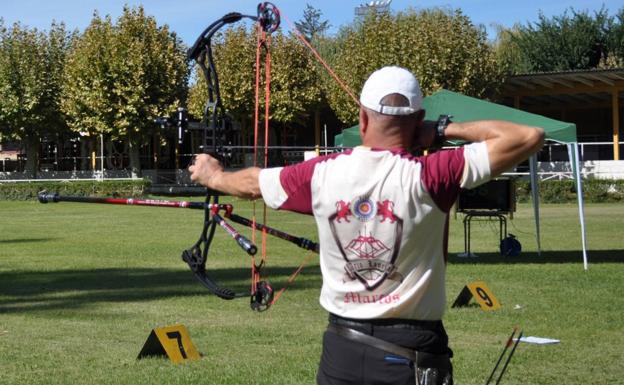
(364, 209)
(343, 211)
(369, 245)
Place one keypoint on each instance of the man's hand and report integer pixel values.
(205, 170)
(208, 172)
(424, 135)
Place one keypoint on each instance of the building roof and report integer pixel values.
(566, 88)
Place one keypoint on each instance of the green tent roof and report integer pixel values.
(465, 108)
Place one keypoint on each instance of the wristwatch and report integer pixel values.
(439, 138)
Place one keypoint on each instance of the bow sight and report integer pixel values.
(179, 120)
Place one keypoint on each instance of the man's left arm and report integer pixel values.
(285, 188)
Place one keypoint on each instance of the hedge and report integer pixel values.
(564, 191)
(29, 190)
(551, 191)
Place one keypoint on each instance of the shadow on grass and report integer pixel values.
(569, 256)
(25, 240)
(32, 291)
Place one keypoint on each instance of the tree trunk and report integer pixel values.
(33, 144)
(155, 150)
(109, 150)
(86, 144)
(134, 153)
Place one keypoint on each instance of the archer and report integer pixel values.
(407, 335)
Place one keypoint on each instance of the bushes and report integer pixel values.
(29, 190)
(564, 191)
(551, 191)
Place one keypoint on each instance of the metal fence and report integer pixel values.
(238, 157)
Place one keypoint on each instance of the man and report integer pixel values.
(381, 214)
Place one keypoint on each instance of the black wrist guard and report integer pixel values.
(439, 138)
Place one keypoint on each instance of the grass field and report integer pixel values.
(81, 287)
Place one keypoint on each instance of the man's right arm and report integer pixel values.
(507, 143)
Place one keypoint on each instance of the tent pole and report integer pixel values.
(535, 197)
(574, 160)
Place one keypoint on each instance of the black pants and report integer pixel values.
(344, 362)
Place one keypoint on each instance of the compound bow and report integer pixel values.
(261, 293)
(268, 20)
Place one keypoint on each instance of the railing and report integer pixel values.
(557, 152)
(242, 156)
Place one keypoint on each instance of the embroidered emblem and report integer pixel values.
(364, 209)
(385, 209)
(370, 245)
(367, 247)
(343, 211)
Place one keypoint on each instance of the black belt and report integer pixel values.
(419, 358)
(383, 323)
(375, 342)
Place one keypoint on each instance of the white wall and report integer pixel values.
(596, 169)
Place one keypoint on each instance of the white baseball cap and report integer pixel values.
(391, 80)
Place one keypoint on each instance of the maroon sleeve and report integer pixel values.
(296, 182)
(441, 176)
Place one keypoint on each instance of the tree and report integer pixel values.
(508, 55)
(31, 66)
(121, 77)
(571, 41)
(235, 57)
(442, 48)
(311, 25)
(294, 88)
(615, 44)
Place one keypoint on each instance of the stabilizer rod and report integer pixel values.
(245, 244)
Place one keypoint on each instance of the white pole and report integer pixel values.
(102, 154)
(573, 151)
(325, 133)
(535, 196)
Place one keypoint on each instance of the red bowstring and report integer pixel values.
(320, 59)
(263, 42)
(346, 88)
(267, 99)
(292, 277)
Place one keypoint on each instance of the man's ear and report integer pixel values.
(363, 123)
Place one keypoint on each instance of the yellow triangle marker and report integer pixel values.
(171, 341)
(481, 293)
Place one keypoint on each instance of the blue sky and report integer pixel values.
(189, 18)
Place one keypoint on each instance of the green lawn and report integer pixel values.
(81, 286)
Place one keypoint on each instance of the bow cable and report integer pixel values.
(318, 57)
(261, 291)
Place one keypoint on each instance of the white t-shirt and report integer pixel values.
(382, 217)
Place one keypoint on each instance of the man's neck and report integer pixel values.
(384, 142)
